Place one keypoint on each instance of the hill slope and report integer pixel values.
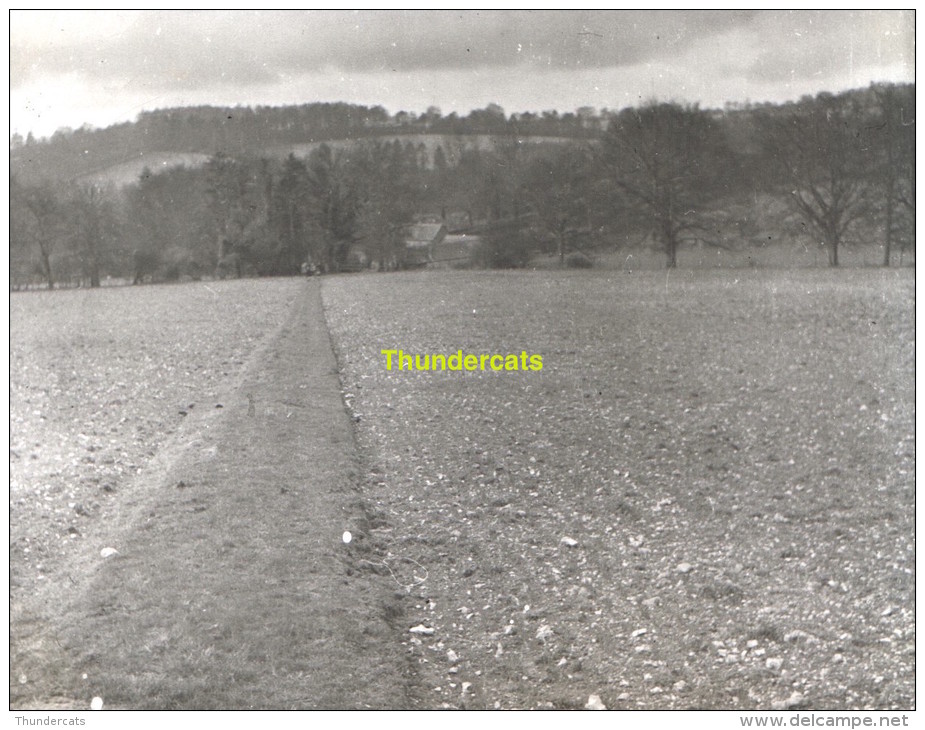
(270, 132)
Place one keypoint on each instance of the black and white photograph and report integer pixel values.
(447, 360)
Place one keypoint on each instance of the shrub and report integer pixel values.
(505, 249)
(578, 261)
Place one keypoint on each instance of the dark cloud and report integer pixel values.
(191, 49)
(418, 40)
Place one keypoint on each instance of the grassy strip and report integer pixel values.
(232, 589)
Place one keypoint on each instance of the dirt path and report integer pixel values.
(232, 587)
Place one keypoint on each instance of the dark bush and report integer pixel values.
(504, 249)
(578, 261)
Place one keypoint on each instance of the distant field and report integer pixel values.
(127, 173)
(731, 452)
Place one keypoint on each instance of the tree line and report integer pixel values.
(832, 168)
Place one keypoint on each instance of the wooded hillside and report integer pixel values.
(231, 192)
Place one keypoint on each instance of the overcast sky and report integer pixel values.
(68, 68)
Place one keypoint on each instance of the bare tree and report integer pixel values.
(506, 172)
(894, 144)
(667, 161)
(36, 221)
(94, 221)
(289, 216)
(334, 206)
(823, 158)
(558, 187)
(236, 203)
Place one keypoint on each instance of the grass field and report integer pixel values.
(704, 499)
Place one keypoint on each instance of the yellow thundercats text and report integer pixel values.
(400, 360)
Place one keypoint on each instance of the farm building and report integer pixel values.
(420, 241)
(454, 251)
